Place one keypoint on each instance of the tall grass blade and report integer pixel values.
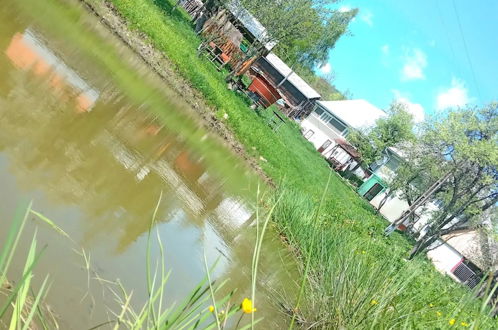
(19, 305)
(12, 240)
(147, 261)
(51, 224)
(213, 299)
(36, 303)
(18, 286)
(308, 254)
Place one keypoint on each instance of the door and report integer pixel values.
(324, 146)
(373, 191)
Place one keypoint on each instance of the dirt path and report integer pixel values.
(138, 42)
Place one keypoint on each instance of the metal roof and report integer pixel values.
(358, 114)
(294, 79)
(250, 23)
(348, 148)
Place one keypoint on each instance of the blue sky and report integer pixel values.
(424, 53)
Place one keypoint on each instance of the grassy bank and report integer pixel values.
(358, 278)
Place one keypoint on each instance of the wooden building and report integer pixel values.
(298, 96)
(234, 37)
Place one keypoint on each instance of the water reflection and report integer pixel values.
(27, 51)
(96, 162)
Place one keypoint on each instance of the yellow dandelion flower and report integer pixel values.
(438, 313)
(363, 251)
(464, 324)
(211, 308)
(431, 305)
(374, 302)
(247, 306)
(451, 322)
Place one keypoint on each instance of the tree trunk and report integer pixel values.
(421, 245)
(384, 200)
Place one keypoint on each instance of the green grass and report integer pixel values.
(20, 307)
(357, 277)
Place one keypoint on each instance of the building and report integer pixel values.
(462, 255)
(331, 121)
(375, 188)
(298, 96)
(230, 33)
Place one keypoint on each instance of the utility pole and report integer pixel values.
(420, 201)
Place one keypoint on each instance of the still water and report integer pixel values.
(93, 138)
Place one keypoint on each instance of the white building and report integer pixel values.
(458, 255)
(327, 127)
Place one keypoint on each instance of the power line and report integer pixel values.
(467, 51)
(448, 39)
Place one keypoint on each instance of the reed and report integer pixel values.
(20, 307)
(355, 278)
(205, 307)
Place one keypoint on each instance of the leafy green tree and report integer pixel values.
(462, 145)
(390, 131)
(304, 30)
(323, 85)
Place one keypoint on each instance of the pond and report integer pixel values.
(93, 137)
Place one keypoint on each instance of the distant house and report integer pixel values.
(298, 96)
(464, 256)
(461, 255)
(331, 121)
(342, 154)
(376, 187)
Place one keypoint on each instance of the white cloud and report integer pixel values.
(326, 69)
(414, 66)
(367, 17)
(385, 49)
(455, 96)
(415, 109)
(344, 9)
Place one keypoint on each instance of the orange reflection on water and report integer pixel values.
(27, 52)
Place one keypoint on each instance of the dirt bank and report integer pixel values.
(139, 43)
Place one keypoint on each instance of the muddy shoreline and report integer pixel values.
(164, 68)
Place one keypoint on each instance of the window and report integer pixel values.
(325, 145)
(331, 121)
(336, 124)
(325, 117)
(393, 163)
(465, 274)
(308, 134)
(373, 191)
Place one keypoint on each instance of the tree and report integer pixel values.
(393, 130)
(304, 30)
(323, 85)
(463, 145)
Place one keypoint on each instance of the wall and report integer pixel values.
(395, 206)
(322, 132)
(275, 77)
(445, 258)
